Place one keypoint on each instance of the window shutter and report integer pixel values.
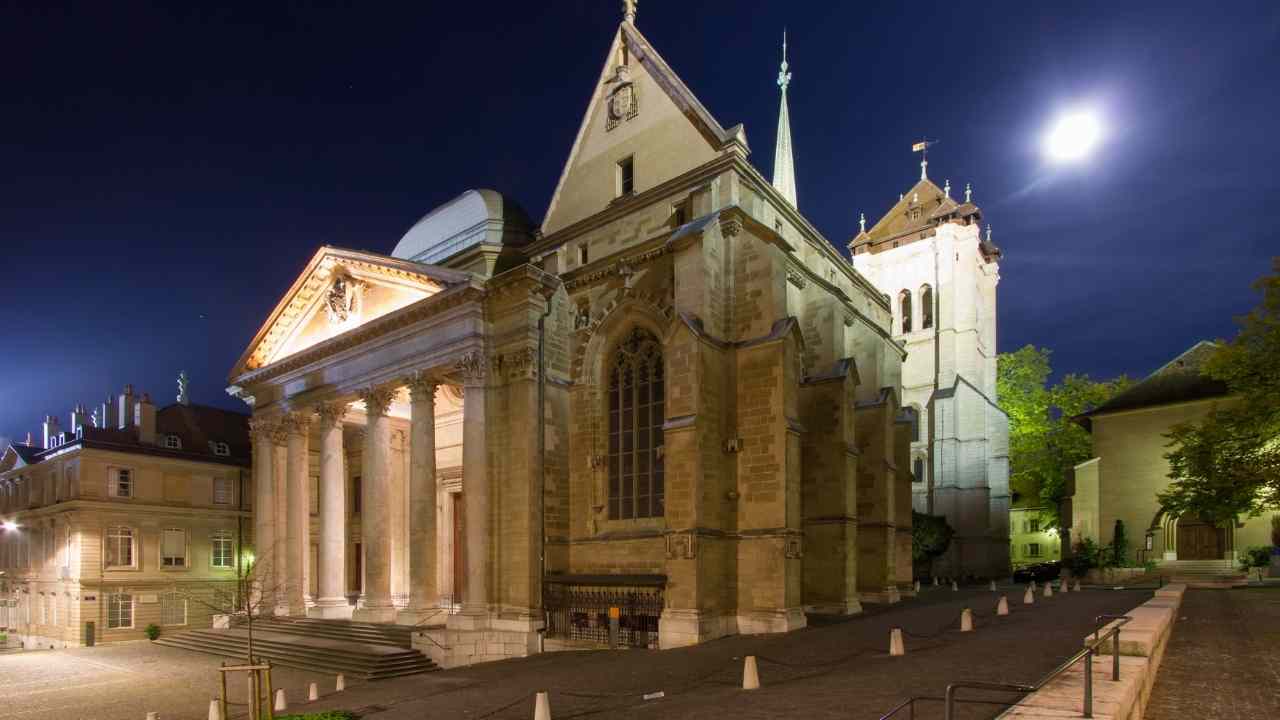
(174, 544)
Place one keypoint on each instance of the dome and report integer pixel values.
(473, 218)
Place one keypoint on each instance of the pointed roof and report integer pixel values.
(784, 168)
(1182, 379)
(639, 53)
(915, 216)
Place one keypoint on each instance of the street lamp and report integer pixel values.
(9, 526)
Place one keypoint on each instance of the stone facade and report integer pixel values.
(928, 255)
(132, 516)
(676, 382)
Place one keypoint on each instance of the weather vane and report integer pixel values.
(922, 147)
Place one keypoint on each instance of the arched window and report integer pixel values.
(918, 470)
(926, 307)
(904, 303)
(636, 414)
(912, 413)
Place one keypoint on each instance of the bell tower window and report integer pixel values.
(904, 304)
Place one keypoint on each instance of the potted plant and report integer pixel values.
(152, 631)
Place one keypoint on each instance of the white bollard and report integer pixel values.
(1064, 587)
(153, 716)
(1048, 589)
(542, 707)
(935, 581)
(1002, 607)
(895, 642)
(917, 586)
(313, 693)
(966, 620)
(1077, 587)
(1029, 597)
(215, 711)
(341, 683)
(281, 702)
(954, 586)
(750, 674)
(1033, 586)
(993, 586)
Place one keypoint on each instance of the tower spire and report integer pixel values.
(784, 170)
(629, 11)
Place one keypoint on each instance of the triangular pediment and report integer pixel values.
(11, 460)
(337, 292)
(641, 109)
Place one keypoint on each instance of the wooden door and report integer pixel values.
(459, 545)
(1198, 540)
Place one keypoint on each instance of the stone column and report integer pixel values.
(279, 561)
(332, 563)
(298, 425)
(264, 521)
(375, 513)
(475, 486)
(423, 595)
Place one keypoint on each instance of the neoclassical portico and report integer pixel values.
(351, 393)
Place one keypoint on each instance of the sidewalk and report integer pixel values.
(1223, 660)
(840, 670)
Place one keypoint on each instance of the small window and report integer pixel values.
(221, 491)
(904, 305)
(173, 609)
(926, 307)
(1033, 525)
(121, 483)
(919, 470)
(220, 449)
(679, 215)
(356, 492)
(626, 176)
(119, 610)
(1033, 549)
(172, 442)
(173, 548)
(221, 549)
(119, 550)
(583, 256)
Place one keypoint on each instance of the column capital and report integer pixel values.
(377, 399)
(473, 365)
(422, 386)
(330, 413)
(297, 423)
(267, 428)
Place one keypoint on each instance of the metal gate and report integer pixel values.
(578, 607)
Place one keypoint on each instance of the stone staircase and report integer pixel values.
(1204, 573)
(367, 651)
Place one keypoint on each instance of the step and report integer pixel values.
(324, 665)
(358, 659)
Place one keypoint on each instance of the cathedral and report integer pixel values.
(669, 412)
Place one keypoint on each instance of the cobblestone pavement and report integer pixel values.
(839, 670)
(1223, 660)
(123, 682)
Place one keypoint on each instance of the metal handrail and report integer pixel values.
(1086, 654)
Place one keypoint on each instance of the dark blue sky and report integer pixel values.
(165, 173)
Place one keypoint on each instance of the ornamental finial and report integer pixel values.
(629, 11)
(946, 189)
(968, 192)
(784, 77)
(862, 222)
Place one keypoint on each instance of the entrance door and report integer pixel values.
(1198, 540)
(459, 543)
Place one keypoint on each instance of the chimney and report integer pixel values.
(107, 414)
(79, 419)
(125, 405)
(145, 419)
(51, 430)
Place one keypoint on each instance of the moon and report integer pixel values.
(1073, 137)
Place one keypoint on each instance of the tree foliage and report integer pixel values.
(1043, 441)
(930, 537)
(1228, 463)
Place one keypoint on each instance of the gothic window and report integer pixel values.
(926, 307)
(636, 414)
(912, 413)
(904, 303)
(626, 176)
(918, 470)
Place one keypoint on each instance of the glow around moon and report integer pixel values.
(1073, 137)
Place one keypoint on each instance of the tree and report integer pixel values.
(1044, 443)
(1227, 463)
(255, 590)
(930, 537)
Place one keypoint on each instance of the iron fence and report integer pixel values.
(579, 609)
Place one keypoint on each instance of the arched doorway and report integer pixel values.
(1200, 539)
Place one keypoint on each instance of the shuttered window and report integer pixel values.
(221, 491)
(173, 609)
(173, 548)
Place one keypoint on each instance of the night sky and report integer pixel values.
(166, 172)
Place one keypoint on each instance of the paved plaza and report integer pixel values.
(1223, 659)
(123, 682)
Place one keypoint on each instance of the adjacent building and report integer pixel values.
(129, 516)
(1031, 541)
(1121, 483)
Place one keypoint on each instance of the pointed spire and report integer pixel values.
(968, 192)
(924, 169)
(784, 170)
(862, 222)
(989, 233)
(629, 11)
(946, 189)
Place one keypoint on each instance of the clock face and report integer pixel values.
(620, 103)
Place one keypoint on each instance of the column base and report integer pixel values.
(889, 595)
(380, 614)
(760, 622)
(681, 628)
(331, 609)
(848, 607)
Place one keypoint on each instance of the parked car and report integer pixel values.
(1039, 572)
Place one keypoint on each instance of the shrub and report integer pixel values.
(152, 631)
(930, 537)
(1256, 558)
(1085, 556)
(1119, 547)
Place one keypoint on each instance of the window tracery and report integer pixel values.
(636, 414)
